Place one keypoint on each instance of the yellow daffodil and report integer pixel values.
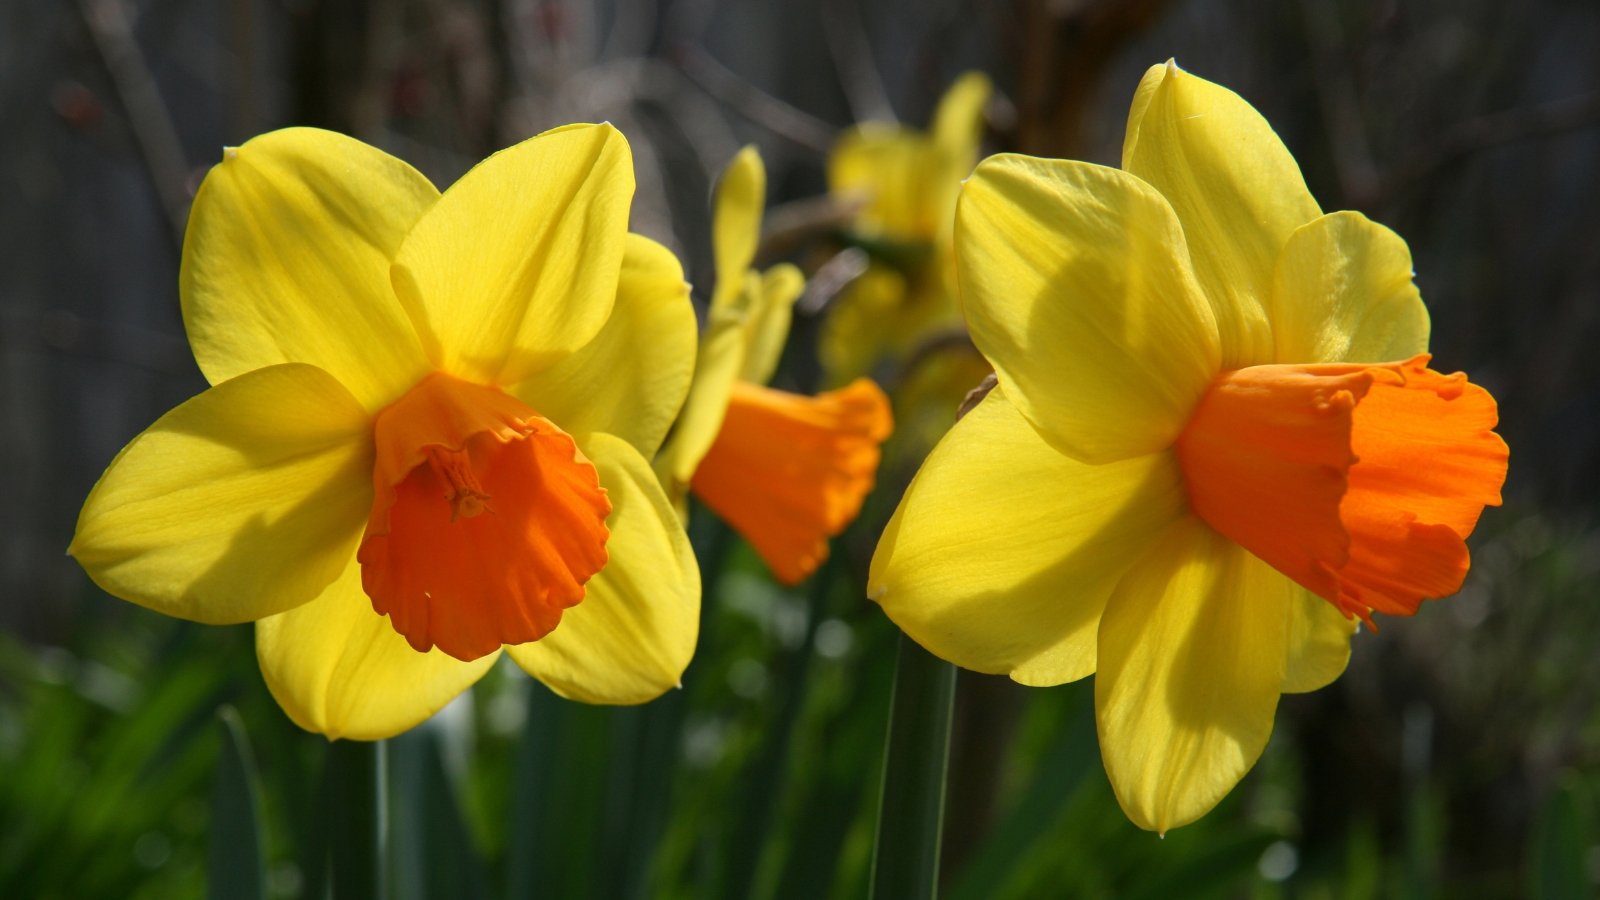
(427, 433)
(905, 182)
(786, 471)
(1214, 444)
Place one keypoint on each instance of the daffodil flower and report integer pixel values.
(905, 182)
(1215, 444)
(785, 471)
(427, 433)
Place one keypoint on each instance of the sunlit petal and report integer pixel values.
(1003, 551)
(632, 378)
(741, 194)
(1075, 282)
(1342, 292)
(1235, 188)
(632, 636)
(516, 266)
(1319, 642)
(1193, 645)
(286, 259)
(339, 669)
(243, 502)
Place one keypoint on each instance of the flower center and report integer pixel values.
(1360, 482)
(462, 490)
(788, 472)
(448, 567)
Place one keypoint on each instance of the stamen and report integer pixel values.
(462, 490)
(448, 576)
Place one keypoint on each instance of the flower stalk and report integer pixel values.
(357, 812)
(905, 856)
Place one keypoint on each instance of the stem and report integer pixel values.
(905, 859)
(357, 815)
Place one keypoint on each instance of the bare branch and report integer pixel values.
(752, 103)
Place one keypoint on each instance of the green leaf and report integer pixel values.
(1563, 832)
(234, 862)
(431, 847)
(355, 800)
(905, 860)
(1073, 755)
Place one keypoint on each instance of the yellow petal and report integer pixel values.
(516, 266)
(767, 325)
(286, 259)
(865, 322)
(630, 380)
(1319, 643)
(245, 501)
(890, 169)
(632, 636)
(1235, 188)
(1342, 292)
(958, 122)
(741, 193)
(1076, 285)
(721, 356)
(339, 669)
(1003, 551)
(1192, 649)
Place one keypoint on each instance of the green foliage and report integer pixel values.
(760, 777)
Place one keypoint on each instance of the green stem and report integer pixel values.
(905, 859)
(357, 818)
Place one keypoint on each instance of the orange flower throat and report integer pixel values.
(486, 520)
(788, 472)
(1360, 482)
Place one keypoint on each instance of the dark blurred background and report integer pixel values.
(1460, 756)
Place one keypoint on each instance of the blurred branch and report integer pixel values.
(831, 278)
(112, 35)
(799, 222)
(752, 103)
(1340, 104)
(1484, 133)
(64, 332)
(1064, 50)
(852, 59)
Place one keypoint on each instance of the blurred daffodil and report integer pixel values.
(786, 471)
(427, 433)
(1215, 444)
(905, 183)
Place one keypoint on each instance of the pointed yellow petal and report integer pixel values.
(339, 669)
(1342, 292)
(1236, 189)
(1076, 285)
(958, 122)
(721, 356)
(286, 259)
(891, 170)
(632, 636)
(1152, 79)
(1319, 643)
(1192, 648)
(243, 502)
(866, 322)
(768, 322)
(516, 266)
(1003, 551)
(631, 379)
(741, 193)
